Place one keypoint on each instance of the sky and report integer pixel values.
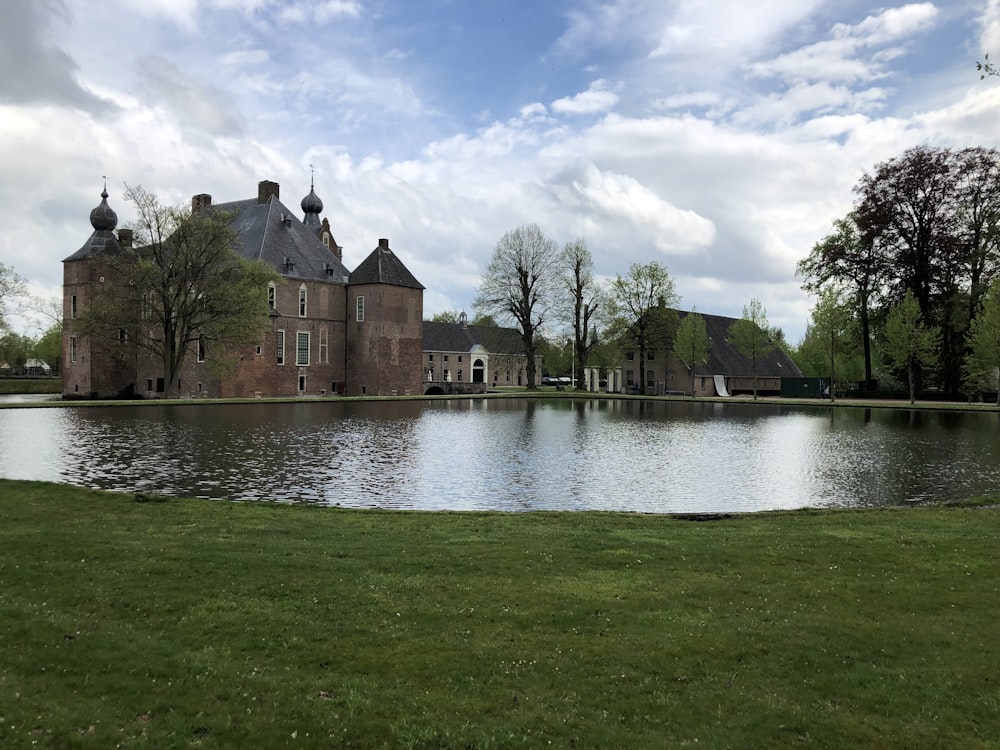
(721, 139)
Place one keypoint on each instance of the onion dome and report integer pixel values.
(103, 218)
(312, 206)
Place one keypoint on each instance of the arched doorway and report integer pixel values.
(478, 371)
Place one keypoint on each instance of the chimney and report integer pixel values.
(265, 190)
(125, 237)
(200, 202)
(327, 237)
(383, 244)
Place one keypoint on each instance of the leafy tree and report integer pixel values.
(48, 348)
(584, 295)
(983, 362)
(831, 324)
(446, 316)
(692, 345)
(15, 348)
(639, 310)
(485, 320)
(183, 286)
(909, 345)
(752, 336)
(519, 287)
(854, 262)
(11, 288)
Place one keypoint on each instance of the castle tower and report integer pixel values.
(89, 370)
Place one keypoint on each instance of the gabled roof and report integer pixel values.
(726, 359)
(270, 232)
(383, 267)
(455, 337)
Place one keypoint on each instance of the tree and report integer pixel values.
(15, 348)
(48, 348)
(692, 345)
(446, 316)
(854, 262)
(12, 287)
(831, 323)
(183, 286)
(982, 366)
(584, 295)
(751, 335)
(909, 344)
(639, 309)
(519, 287)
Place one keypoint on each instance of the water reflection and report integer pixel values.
(604, 454)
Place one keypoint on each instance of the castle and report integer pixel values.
(332, 331)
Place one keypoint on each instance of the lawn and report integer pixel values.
(128, 621)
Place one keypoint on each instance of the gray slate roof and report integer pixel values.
(726, 359)
(271, 232)
(383, 267)
(454, 337)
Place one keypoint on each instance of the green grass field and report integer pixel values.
(131, 621)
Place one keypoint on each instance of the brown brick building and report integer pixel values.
(331, 331)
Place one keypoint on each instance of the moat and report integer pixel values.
(514, 454)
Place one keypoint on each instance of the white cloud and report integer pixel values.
(597, 98)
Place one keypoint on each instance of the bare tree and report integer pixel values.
(519, 287)
(11, 287)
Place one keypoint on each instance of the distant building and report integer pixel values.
(332, 331)
(464, 358)
(727, 373)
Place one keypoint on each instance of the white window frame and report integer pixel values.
(303, 301)
(272, 296)
(280, 346)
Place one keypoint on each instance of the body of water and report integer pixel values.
(513, 455)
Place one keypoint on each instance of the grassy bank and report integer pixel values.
(206, 623)
(30, 385)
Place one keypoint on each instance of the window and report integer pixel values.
(201, 347)
(459, 357)
(629, 378)
(149, 384)
(302, 301)
(280, 335)
(459, 376)
(630, 356)
(272, 294)
(445, 357)
(430, 357)
(72, 306)
(302, 383)
(259, 350)
(650, 355)
(302, 348)
(360, 312)
(650, 378)
(324, 346)
(122, 335)
(447, 376)
(72, 348)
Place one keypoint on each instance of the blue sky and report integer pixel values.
(719, 138)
